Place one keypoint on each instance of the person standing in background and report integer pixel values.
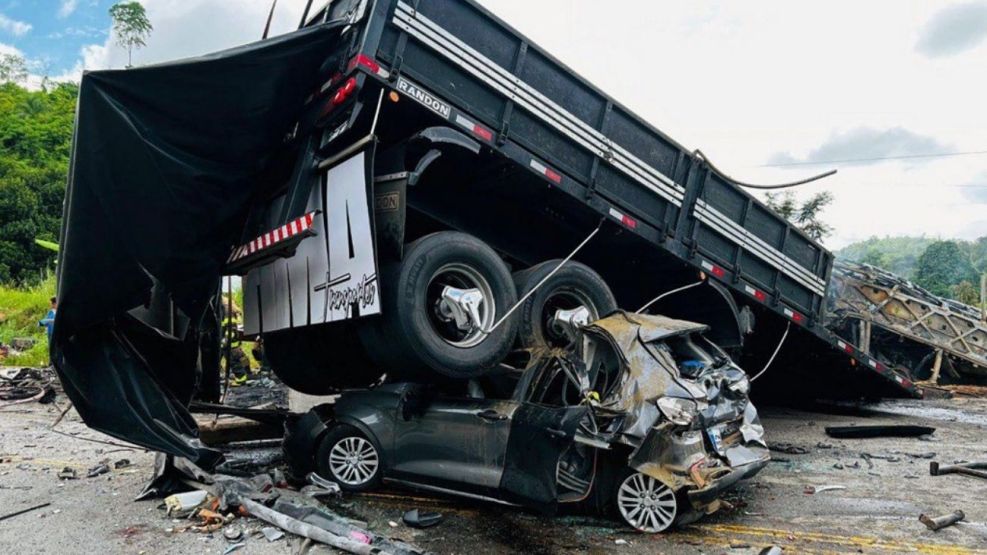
(48, 322)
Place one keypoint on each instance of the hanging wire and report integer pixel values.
(667, 293)
(788, 326)
(542, 282)
(703, 156)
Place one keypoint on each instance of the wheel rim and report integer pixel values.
(353, 461)
(564, 299)
(460, 276)
(646, 504)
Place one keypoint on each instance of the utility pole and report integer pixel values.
(983, 296)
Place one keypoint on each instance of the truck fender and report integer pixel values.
(436, 140)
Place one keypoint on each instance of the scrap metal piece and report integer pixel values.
(866, 432)
(422, 519)
(937, 523)
(969, 469)
(22, 511)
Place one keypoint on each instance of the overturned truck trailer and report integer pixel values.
(390, 181)
(930, 337)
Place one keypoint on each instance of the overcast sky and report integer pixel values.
(770, 90)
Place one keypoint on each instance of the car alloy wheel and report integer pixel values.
(353, 461)
(646, 504)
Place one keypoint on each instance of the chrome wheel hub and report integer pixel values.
(462, 305)
(646, 504)
(353, 461)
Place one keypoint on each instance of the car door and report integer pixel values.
(457, 443)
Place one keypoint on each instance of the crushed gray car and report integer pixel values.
(653, 429)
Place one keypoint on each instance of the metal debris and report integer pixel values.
(866, 432)
(810, 490)
(272, 534)
(936, 523)
(67, 473)
(22, 511)
(98, 470)
(976, 469)
(422, 519)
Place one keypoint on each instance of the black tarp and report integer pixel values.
(165, 162)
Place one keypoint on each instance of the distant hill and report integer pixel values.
(949, 268)
(897, 255)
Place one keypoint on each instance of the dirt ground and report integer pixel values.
(887, 485)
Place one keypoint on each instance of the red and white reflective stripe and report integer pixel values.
(756, 293)
(548, 172)
(475, 128)
(623, 218)
(713, 269)
(275, 236)
(845, 346)
(362, 60)
(795, 316)
(874, 364)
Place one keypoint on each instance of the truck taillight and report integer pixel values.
(344, 92)
(341, 95)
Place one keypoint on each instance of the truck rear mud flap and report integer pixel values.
(165, 164)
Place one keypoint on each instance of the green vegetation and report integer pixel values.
(131, 26)
(949, 268)
(35, 140)
(20, 310)
(806, 215)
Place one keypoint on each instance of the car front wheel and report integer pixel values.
(349, 458)
(645, 503)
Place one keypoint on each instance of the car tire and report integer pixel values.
(320, 360)
(575, 284)
(642, 502)
(349, 458)
(410, 339)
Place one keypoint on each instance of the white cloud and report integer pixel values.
(741, 81)
(8, 49)
(14, 27)
(954, 29)
(66, 8)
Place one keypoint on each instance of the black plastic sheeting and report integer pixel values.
(166, 160)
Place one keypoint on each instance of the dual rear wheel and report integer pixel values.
(444, 307)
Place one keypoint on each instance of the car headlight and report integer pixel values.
(678, 411)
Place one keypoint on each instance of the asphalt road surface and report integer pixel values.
(885, 487)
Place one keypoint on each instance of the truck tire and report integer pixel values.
(575, 285)
(414, 338)
(320, 360)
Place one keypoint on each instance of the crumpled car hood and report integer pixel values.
(725, 434)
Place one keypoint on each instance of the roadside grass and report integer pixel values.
(22, 307)
(20, 310)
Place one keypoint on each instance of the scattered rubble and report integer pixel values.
(26, 385)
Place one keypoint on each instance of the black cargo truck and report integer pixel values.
(450, 164)
(390, 181)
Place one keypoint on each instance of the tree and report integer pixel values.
(13, 69)
(35, 139)
(966, 293)
(131, 26)
(941, 266)
(807, 215)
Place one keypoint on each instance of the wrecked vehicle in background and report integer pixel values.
(653, 429)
